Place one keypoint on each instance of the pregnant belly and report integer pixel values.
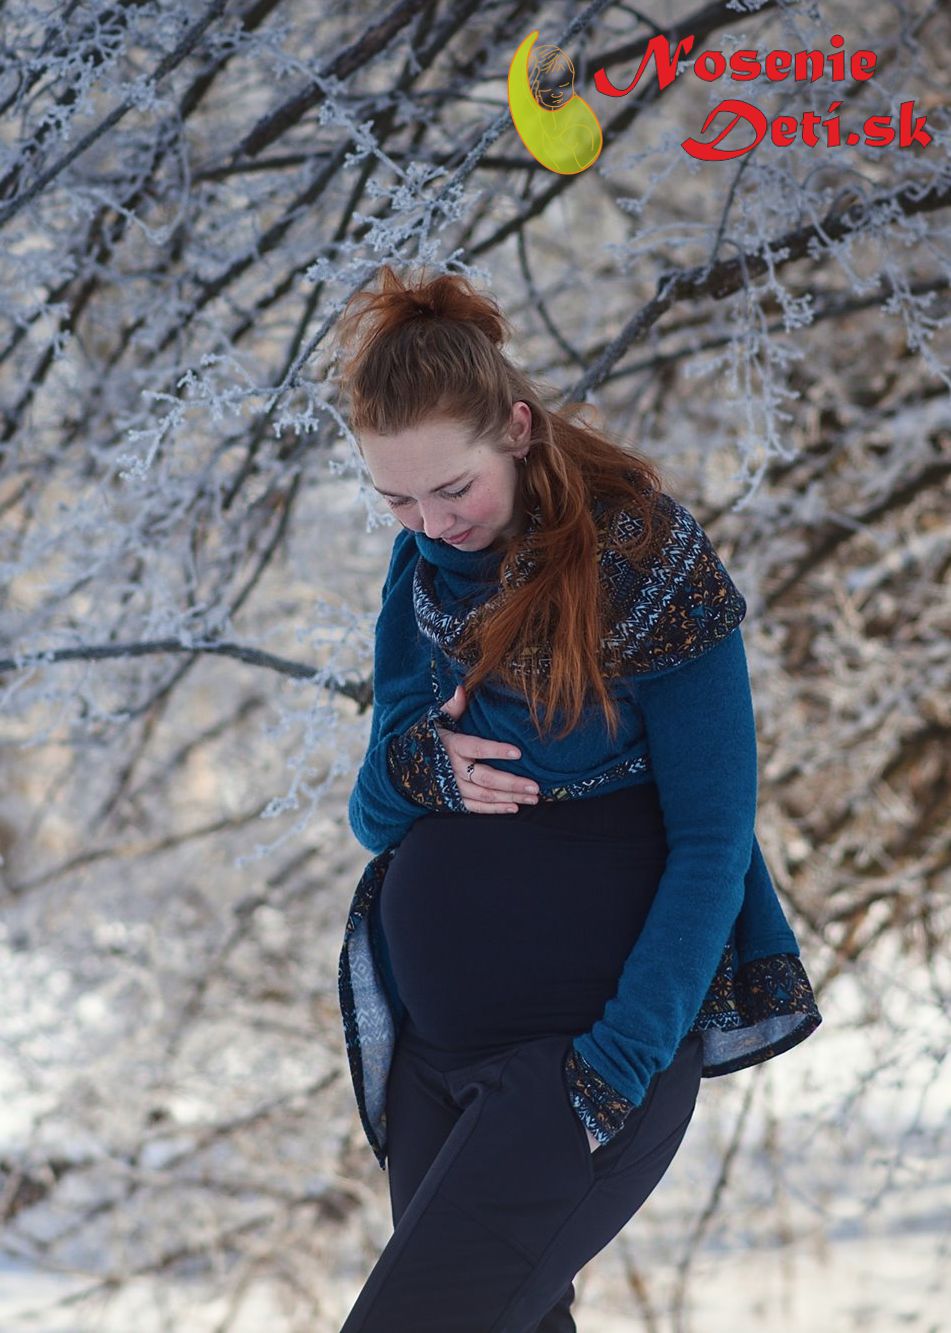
(504, 927)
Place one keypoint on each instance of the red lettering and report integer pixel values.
(809, 122)
(863, 64)
(879, 131)
(744, 65)
(709, 65)
(816, 61)
(908, 133)
(784, 130)
(832, 138)
(778, 64)
(837, 61)
(709, 152)
(658, 50)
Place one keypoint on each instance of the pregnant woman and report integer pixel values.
(567, 921)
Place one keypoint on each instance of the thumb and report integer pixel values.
(457, 703)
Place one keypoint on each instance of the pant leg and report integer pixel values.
(624, 1172)
(559, 1318)
(420, 1115)
(514, 1202)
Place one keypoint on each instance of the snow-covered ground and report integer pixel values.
(870, 1284)
(836, 1216)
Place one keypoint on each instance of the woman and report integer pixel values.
(530, 1000)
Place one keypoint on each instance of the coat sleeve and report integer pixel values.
(406, 770)
(701, 738)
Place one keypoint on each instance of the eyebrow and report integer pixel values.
(395, 495)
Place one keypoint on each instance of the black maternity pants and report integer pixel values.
(506, 936)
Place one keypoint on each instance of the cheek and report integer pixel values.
(482, 508)
(481, 513)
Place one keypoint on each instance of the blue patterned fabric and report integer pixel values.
(717, 955)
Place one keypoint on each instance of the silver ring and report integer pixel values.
(469, 768)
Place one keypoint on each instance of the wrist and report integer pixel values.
(600, 1107)
(419, 766)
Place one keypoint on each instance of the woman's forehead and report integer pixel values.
(425, 459)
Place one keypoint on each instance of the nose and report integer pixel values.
(435, 527)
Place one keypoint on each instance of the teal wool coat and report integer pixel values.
(716, 955)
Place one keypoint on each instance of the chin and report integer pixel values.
(482, 543)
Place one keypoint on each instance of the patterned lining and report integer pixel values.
(600, 1109)
(746, 1018)
(419, 766)
(754, 1012)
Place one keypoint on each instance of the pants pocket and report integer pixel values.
(580, 1133)
(667, 1106)
(604, 1157)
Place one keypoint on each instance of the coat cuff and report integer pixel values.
(419, 766)
(599, 1107)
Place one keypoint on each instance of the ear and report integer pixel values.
(520, 422)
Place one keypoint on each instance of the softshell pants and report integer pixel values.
(497, 1198)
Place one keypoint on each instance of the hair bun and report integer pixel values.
(421, 306)
(397, 301)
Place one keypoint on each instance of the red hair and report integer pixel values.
(423, 347)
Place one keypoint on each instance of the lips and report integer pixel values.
(461, 536)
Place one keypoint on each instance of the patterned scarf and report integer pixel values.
(680, 606)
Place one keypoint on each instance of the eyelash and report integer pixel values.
(453, 495)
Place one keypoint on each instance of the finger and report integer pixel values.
(477, 747)
(464, 747)
(481, 808)
(472, 792)
(501, 784)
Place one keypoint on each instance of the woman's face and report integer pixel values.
(439, 482)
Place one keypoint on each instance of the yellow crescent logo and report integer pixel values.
(557, 126)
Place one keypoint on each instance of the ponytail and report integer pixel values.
(424, 347)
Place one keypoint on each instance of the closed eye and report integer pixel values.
(452, 495)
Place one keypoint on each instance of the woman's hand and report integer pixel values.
(489, 791)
